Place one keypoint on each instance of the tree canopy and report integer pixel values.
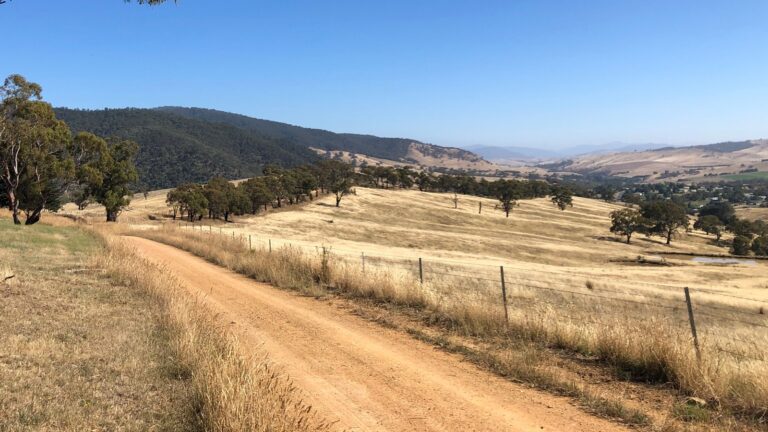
(626, 222)
(665, 218)
(40, 160)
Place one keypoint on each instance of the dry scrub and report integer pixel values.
(235, 393)
(653, 348)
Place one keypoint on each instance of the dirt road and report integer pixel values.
(366, 377)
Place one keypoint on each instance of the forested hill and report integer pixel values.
(395, 149)
(175, 149)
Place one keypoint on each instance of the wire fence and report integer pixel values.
(732, 325)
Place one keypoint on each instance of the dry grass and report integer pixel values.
(92, 337)
(235, 393)
(559, 267)
(76, 351)
(639, 341)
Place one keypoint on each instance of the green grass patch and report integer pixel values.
(46, 238)
(760, 175)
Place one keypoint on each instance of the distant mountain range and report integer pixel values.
(180, 145)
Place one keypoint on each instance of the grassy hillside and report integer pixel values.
(395, 149)
(569, 283)
(175, 149)
(714, 162)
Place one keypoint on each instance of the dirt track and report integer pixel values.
(366, 377)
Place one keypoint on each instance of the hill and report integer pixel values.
(385, 150)
(714, 162)
(176, 149)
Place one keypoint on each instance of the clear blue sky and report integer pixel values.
(532, 73)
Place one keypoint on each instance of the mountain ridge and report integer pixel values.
(403, 150)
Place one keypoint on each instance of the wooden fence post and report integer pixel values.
(362, 256)
(693, 324)
(250, 243)
(270, 245)
(421, 271)
(504, 294)
(480, 207)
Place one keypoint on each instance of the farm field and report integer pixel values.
(569, 282)
(752, 213)
(760, 175)
(537, 239)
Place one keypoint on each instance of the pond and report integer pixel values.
(715, 260)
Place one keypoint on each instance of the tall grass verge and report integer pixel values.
(653, 348)
(234, 392)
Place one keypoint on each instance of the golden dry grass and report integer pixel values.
(76, 351)
(92, 337)
(752, 213)
(570, 283)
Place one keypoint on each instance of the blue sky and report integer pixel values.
(531, 73)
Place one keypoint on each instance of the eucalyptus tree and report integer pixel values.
(507, 192)
(108, 171)
(36, 163)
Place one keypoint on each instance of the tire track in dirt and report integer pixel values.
(366, 377)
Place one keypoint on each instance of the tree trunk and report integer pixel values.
(14, 207)
(338, 200)
(34, 217)
(111, 216)
(669, 237)
(629, 236)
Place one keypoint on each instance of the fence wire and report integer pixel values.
(483, 283)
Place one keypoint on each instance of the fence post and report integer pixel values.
(270, 245)
(421, 271)
(693, 324)
(504, 294)
(362, 255)
(250, 243)
(480, 207)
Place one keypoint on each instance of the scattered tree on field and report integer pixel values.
(760, 245)
(339, 177)
(741, 245)
(562, 197)
(108, 172)
(712, 225)
(507, 192)
(626, 222)
(664, 217)
(188, 199)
